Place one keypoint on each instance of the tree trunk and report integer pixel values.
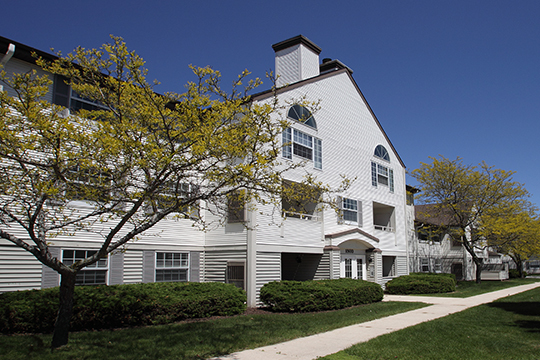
(61, 326)
(519, 265)
(478, 262)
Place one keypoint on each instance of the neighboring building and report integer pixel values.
(368, 239)
(433, 249)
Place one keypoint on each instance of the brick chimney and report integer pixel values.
(296, 59)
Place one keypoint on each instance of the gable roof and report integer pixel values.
(337, 71)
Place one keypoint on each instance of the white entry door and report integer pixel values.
(353, 267)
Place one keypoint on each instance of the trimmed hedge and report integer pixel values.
(422, 283)
(106, 307)
(308, 296)
(514, 274)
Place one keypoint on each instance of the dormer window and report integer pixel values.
(382, 153)
(302, 114)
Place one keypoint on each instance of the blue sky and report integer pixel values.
(451, 78)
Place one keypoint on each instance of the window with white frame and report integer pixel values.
(87, 183)
(382, 176)
(424, 265)
(351, 211)
(437, 266)
(302, 145)
(94, 274)
(169, 193)
(236, 207)
(172, 266)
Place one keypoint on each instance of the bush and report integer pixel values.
(308, 296)
(451, 276)
(422, 283)
(514, 274)
(105, 307)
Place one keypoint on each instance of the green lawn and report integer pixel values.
(470, 288)
(506, 329)
(195, 340)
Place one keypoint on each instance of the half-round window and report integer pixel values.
(300, 113)
(380, 152)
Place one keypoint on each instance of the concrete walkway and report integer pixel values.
(323, 344)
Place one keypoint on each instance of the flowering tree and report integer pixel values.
(135, 159)
(464, 196)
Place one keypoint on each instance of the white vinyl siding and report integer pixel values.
(19, 270)
(133, 267)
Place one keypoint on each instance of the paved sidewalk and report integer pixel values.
(323, 344)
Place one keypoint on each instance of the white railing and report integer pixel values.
(301, 216)
(384, 228)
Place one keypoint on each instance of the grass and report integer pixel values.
(470, 288)
(194, 340)
(506, 329)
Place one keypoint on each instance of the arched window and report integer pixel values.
(302, 114)
(381, 153)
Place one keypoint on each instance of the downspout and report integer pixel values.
(5, 59)
(8, 54)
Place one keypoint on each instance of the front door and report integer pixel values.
(353, 267)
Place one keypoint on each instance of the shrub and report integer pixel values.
(514, 274)
(307, 296)
(105, 307)
(421, 283)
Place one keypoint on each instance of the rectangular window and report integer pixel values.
(437, 266)
(95, 274)
(382, 176)
(424, 264)
(172, 266)
(286, 141)
(236, 207)
(236, 274)
(317, 153)
(88, 183)
(64, 96)
(351, 211)
(169, 193)
(303, 145)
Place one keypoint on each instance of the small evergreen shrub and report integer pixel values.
(105, 307)
(318, 295)
(421, 283)
(514, 274)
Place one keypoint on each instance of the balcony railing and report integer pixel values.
(301, 216)
(384, 228)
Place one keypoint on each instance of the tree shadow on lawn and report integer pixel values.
(531, 309)
(194, 340)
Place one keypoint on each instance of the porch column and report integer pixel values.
(251, 260)
(334, 258)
